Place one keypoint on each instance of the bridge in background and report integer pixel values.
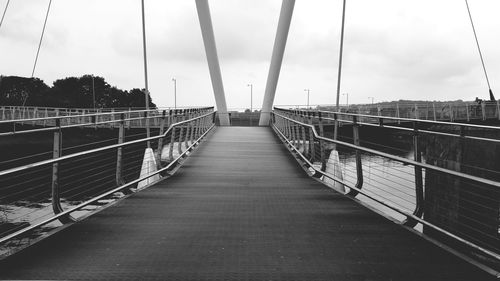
(195, 200)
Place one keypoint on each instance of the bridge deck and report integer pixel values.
(239, 209)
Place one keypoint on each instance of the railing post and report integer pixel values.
(198, 125)
(311, 137)
(321, 142)
(305, 151)
(46, 116)
(289, 127)
(359, 166)
(3, 113)
(293, 138)
(35, 113)
(498, 109)
(193, 127)
(297, 131)
(179, 146)
(419, 189)
(434, 111)
(397, 113)
(467, 111)
(57, 151)
(188, 128)
(160, 140)
(119, 156)
(172, 136)
(483, 110)
(129, 115)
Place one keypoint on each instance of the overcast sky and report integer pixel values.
(394, 49)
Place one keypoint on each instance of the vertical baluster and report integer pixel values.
(160, 140)
(179, 146)
(119, 156)
(498, 109)
(397, 113)
(321, 142)
(311, 137)
(434, 111)
(198, 125)
(359, 166)
(304, 137)
(467, 111)
(57, 151)
(419, 185)
(188, 128)
(172, 137)
(483, 110)
(193, 127)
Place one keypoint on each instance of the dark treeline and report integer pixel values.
(69, 92)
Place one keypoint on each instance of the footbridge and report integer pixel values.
(278, 202)
(355, 192)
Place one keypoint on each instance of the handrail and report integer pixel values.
(83, 153)
(102, 114)
(398, 119)
(291, 146)
(97, 198)
(172, 113)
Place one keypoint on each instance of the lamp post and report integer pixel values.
(251, 97)
(307, 90)
(93, 91)
(347, 99)
(175, 92)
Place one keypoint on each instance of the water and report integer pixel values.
(389, 181)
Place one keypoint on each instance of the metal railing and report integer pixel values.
(405, 189)
(74, 117)
(436, 111)
(51, 192)
(111, 119)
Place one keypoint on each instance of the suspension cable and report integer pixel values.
(4, 11)
(40, 43)
(479, 49)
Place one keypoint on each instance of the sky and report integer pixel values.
(393, 49)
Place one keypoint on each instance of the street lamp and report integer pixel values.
(175, 92)
(372, 99)
(93, 91)
(347, 99)
(251, 97)
(307, 90)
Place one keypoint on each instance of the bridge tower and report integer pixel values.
(276, 59)
(207, 33)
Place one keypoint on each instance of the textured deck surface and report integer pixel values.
(239, 209)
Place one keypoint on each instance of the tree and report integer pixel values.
(81, 92)
(16, 90)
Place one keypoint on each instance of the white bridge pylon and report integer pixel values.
(214, 67)
(207, 32)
